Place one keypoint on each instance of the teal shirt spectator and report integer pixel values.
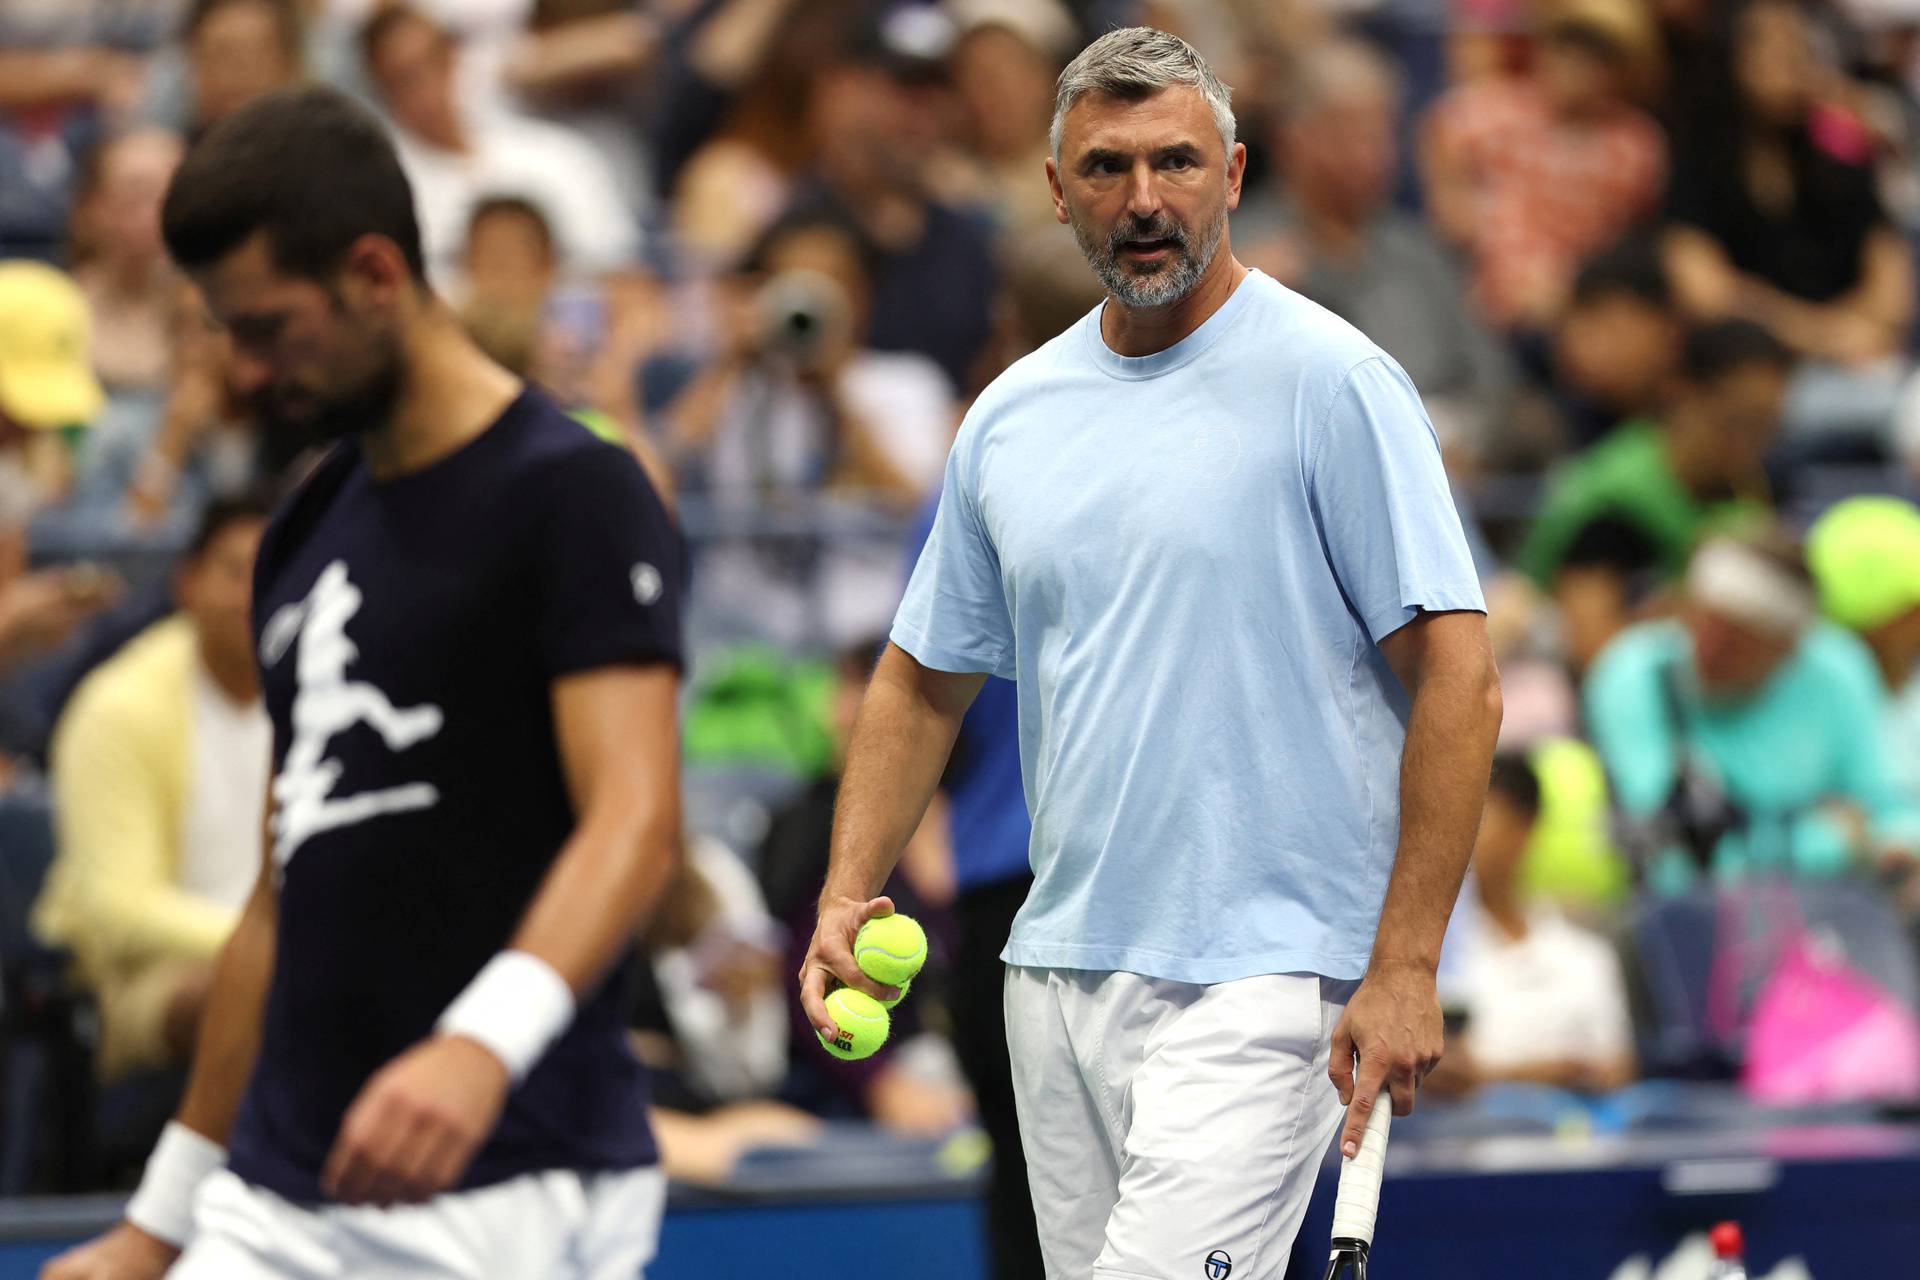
(1812, 735)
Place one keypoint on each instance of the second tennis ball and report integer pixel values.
(890, 949)
(862, 1022)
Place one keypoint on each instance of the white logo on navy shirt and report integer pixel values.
(327, 704)
(647, 583)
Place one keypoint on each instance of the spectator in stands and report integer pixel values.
(455, 160)
(510, 265)
(1865, 557)
(1529, 175)
(1745, 735)
(48, 393)
(46, 387)
(838, 415)
(1004, 64)
(1617, 347)
(1546, 1001)
(590, 66)
(239, 50)
(710, 1020)
(119, 261)
(1638, 501)
(1775, 212)
(160, 769)
(733, 135)
(797, 406)
(1333, 234)
(60, 84)
(877, 117)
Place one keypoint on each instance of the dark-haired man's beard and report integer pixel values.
(1152, 282)
(306, 416)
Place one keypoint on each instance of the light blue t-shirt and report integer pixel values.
(1185, 561)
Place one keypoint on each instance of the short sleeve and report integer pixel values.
(954, 616)
(608, 568)
(1380, 499)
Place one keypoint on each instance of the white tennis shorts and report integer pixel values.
(556, 1225)
(1172, 1131)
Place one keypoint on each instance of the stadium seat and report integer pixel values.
(45, 1026)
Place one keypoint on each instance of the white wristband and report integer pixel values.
(516, 1007)
(181, 1161)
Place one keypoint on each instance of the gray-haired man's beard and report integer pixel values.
(1151, 284)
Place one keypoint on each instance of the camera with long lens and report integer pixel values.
(804, 315)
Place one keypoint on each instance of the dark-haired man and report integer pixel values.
(467, 626)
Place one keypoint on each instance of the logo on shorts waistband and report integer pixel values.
(1219, 1265)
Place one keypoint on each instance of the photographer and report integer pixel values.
(795, 419)
(793, 404)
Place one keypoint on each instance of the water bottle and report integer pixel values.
(1727, 1248)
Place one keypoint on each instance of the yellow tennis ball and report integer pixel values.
(862, 1021)
(905, 987)
(890, 949)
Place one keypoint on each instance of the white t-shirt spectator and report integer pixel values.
(232, 765)
(554, 169)
(1555, 995)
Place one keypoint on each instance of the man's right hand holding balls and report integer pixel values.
(873, 954)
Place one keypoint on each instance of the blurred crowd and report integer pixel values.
(1649, 263)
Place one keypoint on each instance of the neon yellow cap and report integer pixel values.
(1865, 556)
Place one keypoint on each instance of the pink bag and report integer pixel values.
(1815, 1028)
(1823, 1032)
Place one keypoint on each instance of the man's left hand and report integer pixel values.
(1393, 1026)
(416, 1125)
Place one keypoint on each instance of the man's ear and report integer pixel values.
(1059, 196)
(1236, 173)
(375, 270)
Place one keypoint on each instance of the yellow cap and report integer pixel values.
(46, 337)
(1865, 556)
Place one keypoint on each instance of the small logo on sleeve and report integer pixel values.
(1219, 1265)
(647, 583)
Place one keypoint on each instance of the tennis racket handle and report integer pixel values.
(1358, 1200)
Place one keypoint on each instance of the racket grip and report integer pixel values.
(1358, 1201)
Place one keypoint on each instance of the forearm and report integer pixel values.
(1443, 784)
(901, 742)
(230, 1027)
(587, 51)
(602, 889)
(731, 44)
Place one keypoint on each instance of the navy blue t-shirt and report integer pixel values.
(409, 636)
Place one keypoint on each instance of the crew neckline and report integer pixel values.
(1183, 352)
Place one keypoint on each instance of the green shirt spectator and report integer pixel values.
(1628, 477)
(1672, 479)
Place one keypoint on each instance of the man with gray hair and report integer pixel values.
(1208, 533)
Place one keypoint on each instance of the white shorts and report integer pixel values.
(1171, 1130)
(557, 1225)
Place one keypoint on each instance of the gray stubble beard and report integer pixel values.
(1163, 283)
